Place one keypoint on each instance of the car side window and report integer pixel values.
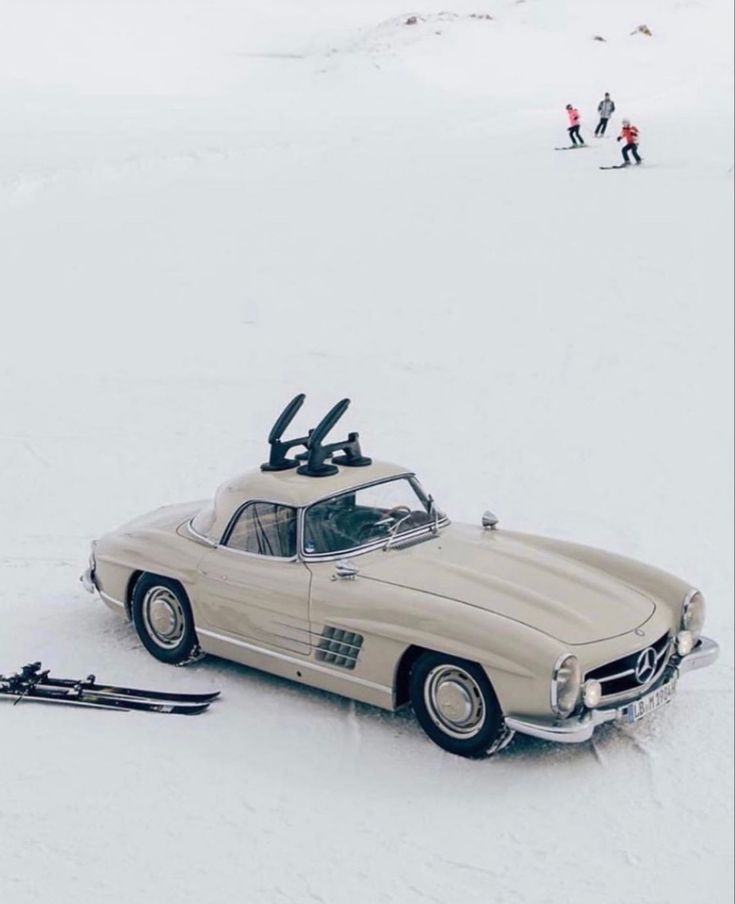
(265, 529)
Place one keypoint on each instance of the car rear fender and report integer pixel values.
(123, 557)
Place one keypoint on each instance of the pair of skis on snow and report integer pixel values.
(33, 684)
(575, 147)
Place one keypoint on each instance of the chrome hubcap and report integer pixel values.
(164, 617)
(454, 701)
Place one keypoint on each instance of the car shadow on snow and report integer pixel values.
(401, 722)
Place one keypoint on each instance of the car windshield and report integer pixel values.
(377, 514)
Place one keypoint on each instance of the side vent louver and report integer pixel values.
(339, 647)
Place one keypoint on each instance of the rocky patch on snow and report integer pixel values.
(395, 34)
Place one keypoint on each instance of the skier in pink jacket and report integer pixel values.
(574, 124)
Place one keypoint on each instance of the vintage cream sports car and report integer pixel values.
(341, 573)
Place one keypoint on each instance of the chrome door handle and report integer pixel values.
(345, 569)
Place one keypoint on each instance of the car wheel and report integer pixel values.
(456, 706)
(162, 617)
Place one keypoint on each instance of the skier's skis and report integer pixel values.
(616, 166)
(571, 147)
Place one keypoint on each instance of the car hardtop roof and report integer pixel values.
(320, 471)
(298, 490)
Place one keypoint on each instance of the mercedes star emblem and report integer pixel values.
(645, 667)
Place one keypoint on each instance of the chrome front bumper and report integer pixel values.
(581, 728)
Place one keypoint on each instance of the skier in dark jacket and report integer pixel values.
(605, 108)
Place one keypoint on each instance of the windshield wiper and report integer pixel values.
(393, 531)
(433, 513)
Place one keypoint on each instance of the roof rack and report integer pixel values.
(316, 456)
(278, 460)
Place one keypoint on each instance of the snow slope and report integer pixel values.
(206, 207)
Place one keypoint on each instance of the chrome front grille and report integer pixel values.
(624, 675)
(339, 647)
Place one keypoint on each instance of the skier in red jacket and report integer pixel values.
(574, 124)
(631, 135)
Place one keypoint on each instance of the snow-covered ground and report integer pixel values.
(206, 207)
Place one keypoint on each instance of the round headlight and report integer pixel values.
(692, 613)
(566, 683)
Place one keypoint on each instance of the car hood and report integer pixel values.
(509, 575)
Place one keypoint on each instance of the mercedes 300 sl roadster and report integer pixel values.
(342, 573)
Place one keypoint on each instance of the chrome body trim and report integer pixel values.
(616, 676)
(580, 728)
(256, 555)
(208, 540)
(111, 600)
(301, 663)
(318, 634)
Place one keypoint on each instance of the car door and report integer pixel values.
(252, 586)
(359, 628)
(360, 625)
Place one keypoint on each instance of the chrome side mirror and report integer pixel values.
(489, 521)
(345, 569)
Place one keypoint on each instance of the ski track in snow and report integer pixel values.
(266, 200)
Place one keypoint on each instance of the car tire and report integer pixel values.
(163, 619)
(456, 706)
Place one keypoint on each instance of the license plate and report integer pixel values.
(639, 709)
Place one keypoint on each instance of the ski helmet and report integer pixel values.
(626, 122)
(569, 106)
